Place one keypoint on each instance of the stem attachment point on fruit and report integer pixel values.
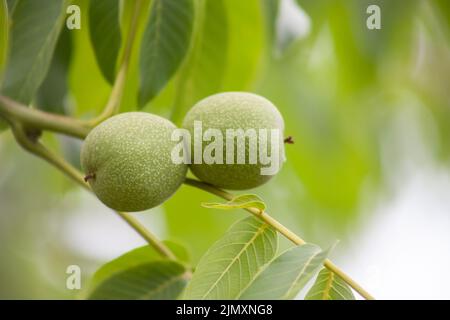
(289, 140)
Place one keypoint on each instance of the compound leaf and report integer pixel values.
(104, 30)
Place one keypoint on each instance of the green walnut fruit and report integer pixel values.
(235, 110)
(127, 161)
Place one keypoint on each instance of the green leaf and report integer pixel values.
(284, 277)
(84, 71)
(143, 273)
(233, 261)
(53, 90)
(246, 44)
(4, 30)
(133, 258)
(164, 45)
(34, 32)
(239, 202)
(329, 286)
(156, 280)
(203, 72)
(104, 27)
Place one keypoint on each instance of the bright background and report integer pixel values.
(369, 111)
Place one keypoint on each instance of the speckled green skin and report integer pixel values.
(130, 158)
(234, 110)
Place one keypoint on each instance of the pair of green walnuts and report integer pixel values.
(127, 158)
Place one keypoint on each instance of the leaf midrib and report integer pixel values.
(50, 35)
(158, 19)
(163, 286)
(328, 286)
(257, 234)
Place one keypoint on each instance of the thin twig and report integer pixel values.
(41, 119)
(282, 229)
